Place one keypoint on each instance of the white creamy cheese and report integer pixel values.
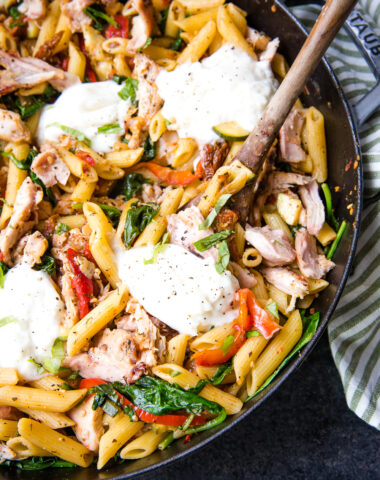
(227, 86)
(28, 297)
(86, 107)
(179, 288)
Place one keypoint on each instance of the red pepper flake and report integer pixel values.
(187, 438)
(349, 165)
(85, 157)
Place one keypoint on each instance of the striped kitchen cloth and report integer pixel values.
(354, 330)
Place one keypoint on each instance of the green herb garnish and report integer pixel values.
(3, 271)
(160, 247)
(47, 264)
(211, 240)
(61, 228)
(129, 90)
(252, 333)
(99, 17)
(273, 309)
(9, 319)
(73, 132)
(223, 257)
(132, 185)
(214, 212)
(110, 128)
(112, 212)
(150, 149)
(221, 373)
(227, 344)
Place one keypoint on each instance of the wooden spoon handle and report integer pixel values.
(330, 20)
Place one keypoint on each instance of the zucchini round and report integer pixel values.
(231, 131)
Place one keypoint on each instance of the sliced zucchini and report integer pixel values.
(231, 131)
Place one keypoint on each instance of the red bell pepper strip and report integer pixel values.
(168, 175)
(251, 315)
(261, 320)
(121, 31)
(81, 284)
(89, 72)
(170, 420)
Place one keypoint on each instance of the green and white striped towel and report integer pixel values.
(354, 330)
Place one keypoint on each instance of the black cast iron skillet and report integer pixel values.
(324, 93)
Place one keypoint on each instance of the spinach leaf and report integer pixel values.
(159, 397)
(129, 90)
(310, 325)
(48, 192)
(14, 12)
(146, 44)
(28, 106)
(40, 368)
(3, 271)
(221, 373)
(214, 212)
(223, 257)
(133, 185)
(119, 79)
(99, 17)
(150, 149)
(110, 128)
(112, 213)
(177, 44)
(38, 463)
(47, 264)
(105, 398)
(138, 217)
(22, 165)
(61, 228)
(162, 22)
(10, 319)
(208, 242)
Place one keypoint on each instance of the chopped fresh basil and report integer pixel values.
(77, 205)
(310, 324)
(150, 149)
(252, 333)
(223, 257)
(3, 271)
(294, 229)
(110, 128)
(129, 90)
(273, 309)
(74, 375)
(227, 344)
(214, 212)
(221, 373)
(174, 373)
(177, 44)
(146, 45)
(5, 320)
(53, 364)
(40, 368)
(61, 228)
(138, 217)
(73, 132)
(132, 185)
(99, 17)
(211, 240)
(131, 413)
(112, 213)
(119, 79)
(14, 12)
(48, 192)
(38, 463)
(22, 165)
(158, 249)
(47, 264)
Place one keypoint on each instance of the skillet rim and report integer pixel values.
(296, 361)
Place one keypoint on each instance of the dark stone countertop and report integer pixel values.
(304, 431)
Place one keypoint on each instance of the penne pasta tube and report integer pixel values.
(316, 285)
(83, 191)
(8, 429)
(9, 376)
(144, 445)
(51, 419)
(25, 448)
(194, 23)
(77, 61)
(316, 143)
(176, 349)
(281, 298)
(274, 220)
(195, 6)
(186, 379)
(231, 33)
(50, 401)
(73, 221)
(246, 355)
(49, 382)
(125, 158)
(120, 431)
(213, 338)
(326, 235)
(275, 352)
(209, 372)
(198, 46)
(82, 332)
(55, 443)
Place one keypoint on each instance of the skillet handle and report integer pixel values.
(369, 44)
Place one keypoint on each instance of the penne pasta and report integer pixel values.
(9, 376)
(176, 349)
(144, 445)
(8, 429)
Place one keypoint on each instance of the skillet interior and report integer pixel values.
(342, 147)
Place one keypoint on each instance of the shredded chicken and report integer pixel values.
(30, 249)
(49, 167)
(270, 50)
(123, 353)
(12, 128)
(136, 125)
(290, 137)
(245, 279)
(142, 24)
(273, 245)
(23, 218)
(184, 231)
(281, 181)
(154, 193)
(311, 264)
(287, 281)
(89, 426)
(6, 453)
(146, 72)
(33, 9)
(9, 413)
(74, 11)
(27, 72)
(315, 212)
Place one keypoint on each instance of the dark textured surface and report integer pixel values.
(304, 431)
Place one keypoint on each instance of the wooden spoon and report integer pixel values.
(254, 150)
